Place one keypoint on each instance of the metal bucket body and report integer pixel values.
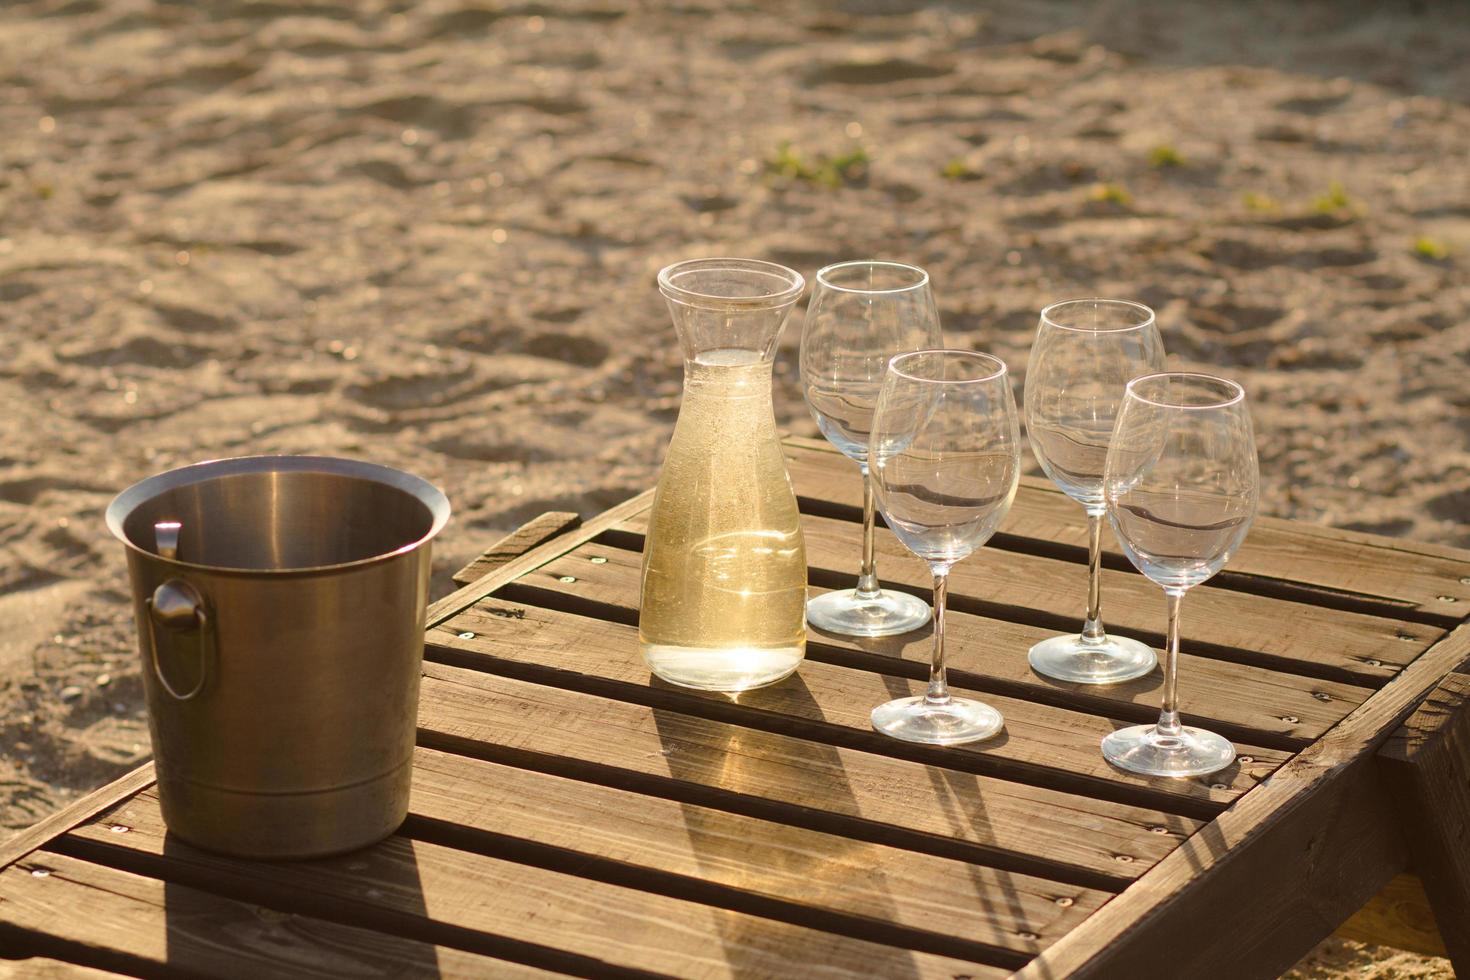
(282, 647)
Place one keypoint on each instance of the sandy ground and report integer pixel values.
(426, 233)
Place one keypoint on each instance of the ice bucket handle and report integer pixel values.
(177, 606)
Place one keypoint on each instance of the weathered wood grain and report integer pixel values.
(45, 968)
(537, 530)
(73, 910)
(1400, 575)
(486, 904)
(1249, 704)
(1005, 825)
(1040, 744)
(786, 873)
(1222, 625)
(1283, 867)
(36, 835)
(1398, 916)
(441, 609)
(1426, 764)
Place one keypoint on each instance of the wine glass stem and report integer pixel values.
(1169, 717)
(938, 687)
(1092, 630)
(867, 586)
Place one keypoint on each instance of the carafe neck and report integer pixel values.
(721, 306)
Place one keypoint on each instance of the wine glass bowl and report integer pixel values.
(1184, 494)
(947, 474)
(861, 314)
(945, 454)
(1084, 353)
(1182, 484)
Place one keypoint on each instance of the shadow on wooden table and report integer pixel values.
(958, 793)
(357, 914)
(759, 764)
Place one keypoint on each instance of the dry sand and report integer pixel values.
(426, 234)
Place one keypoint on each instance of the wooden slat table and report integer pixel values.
(572, 816)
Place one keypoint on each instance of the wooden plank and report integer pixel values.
(1275, 873)
(45, 968)
(1231, 626)
(1042, 745)
(880, 886)
(1426, 765)
(490, 905)
(537, 530)
(36, 835)
(443, 608)
(1248, 704)
(1404, 574)
(787, 873)
(79, 912)
(1398, 916)
(856, 794)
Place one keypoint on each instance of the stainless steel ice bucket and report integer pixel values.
(280, 608)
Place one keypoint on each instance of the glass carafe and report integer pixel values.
(724, 563)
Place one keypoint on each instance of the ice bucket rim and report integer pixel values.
(146, 489)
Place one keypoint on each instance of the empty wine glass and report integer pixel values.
(946, 455)
(1084, 354)
(1181, 484)
(862, 314)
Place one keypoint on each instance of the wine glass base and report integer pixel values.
(881, 614)
(1070, 658)
(1148, 752)
(953, 722)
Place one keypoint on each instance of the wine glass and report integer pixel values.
(946, 455)
(861, 314)
(1084, 354)
(1181, 484)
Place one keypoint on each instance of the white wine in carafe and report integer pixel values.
(724, 565)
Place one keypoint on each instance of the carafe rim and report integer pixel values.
(787, 284)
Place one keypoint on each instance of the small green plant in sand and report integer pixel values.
(1431, 248)
(852, 165)
(1165, 156)
(1335, 201)
(958, 169)
(1110, 193)
(1258, 201)
(828, 171)
(45, 191)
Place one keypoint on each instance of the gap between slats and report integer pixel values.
(703, 892)
(713, 709)
(816, 650)
(97, 842)
(734, 861)
(20, 945)
(215, 931)
(363, 914)
(1248, 699)
(360, 914)
(776, 811)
